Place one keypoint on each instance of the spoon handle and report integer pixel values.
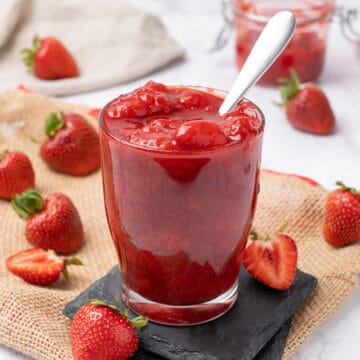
(271, 42)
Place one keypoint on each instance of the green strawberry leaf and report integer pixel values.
(138, 322)
(29, 54)
(347, 188)
(53, 123)
(28, 203)
(289, 89)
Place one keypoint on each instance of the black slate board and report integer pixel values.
(274, 348)
(254, 329)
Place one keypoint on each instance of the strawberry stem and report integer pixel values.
(290, 88)
(282, 227)
(117, 300)
(29, 54)
(139, 322)
(347, 188)
(53, 123)
(28, 203)
(70, 261)
(253, 235)
(35, 141)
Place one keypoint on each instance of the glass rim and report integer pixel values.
(264, 19)
(180, 153)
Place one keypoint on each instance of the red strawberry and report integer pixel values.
(342, 216)
(199, 134)
(100, 331)
(16, 174)
(272, 261)
(39, 266)
(73, 146)
(53, 223)
(307, 107)
(49, 59)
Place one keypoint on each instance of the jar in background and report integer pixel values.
(306, 51)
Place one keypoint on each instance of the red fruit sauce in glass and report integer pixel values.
(305, 52)
(180, 186)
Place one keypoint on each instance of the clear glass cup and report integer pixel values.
(180, 221)
(305, 52)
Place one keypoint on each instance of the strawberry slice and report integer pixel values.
(39, 266)
(272, 261)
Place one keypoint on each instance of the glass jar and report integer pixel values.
(305, 52)
(179, 216)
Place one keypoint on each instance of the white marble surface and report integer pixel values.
(326, 159)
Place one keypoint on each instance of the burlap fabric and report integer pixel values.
(31, 319)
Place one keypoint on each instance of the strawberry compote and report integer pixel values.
(180, 186)
(305, 52)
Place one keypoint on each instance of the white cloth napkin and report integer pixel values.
(112, 41)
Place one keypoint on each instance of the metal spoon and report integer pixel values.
(270, 44)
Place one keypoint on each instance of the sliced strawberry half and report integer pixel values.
(272, 261)
(39, 266)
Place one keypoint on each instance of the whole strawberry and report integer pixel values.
(39, 266)
(49, 59)
(272, 261)
(16, 174)
(342, 216)
(100, 332)
(73, 146)
(307, 107)
(53, 223)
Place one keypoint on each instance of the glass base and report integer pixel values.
(181, 315)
